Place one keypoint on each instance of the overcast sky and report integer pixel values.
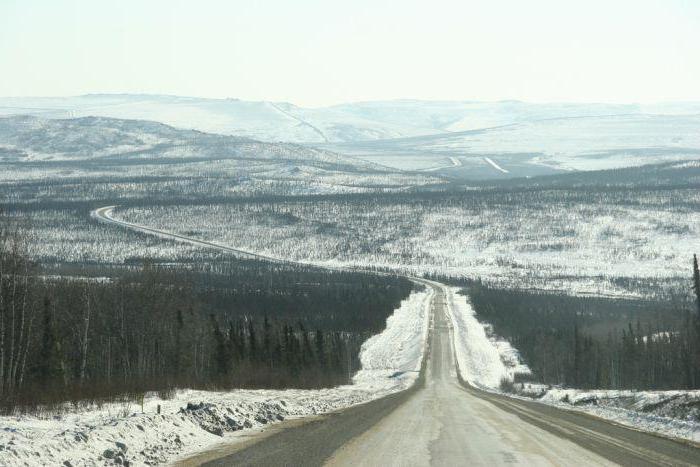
(318, 52)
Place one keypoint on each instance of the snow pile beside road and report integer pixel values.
(483, 361)
(190, 422)
(396, 354)
(671, 413)
(123, 433)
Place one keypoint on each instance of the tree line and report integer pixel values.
(162, 327)
(584, 342)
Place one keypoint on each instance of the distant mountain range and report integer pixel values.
(355, 122)
(192, 162)
(544, 146)
(27, 138)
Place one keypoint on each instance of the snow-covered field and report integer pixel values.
(192, 421)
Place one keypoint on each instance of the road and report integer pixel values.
(104, 214)
(442, 424)
(444, 421)
(490, 161)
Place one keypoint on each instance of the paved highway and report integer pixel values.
(443, 421)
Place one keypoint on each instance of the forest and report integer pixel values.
(597, 342)
(123, 331)
(568, 232)
(110, 312)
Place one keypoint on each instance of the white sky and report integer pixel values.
(319, 52)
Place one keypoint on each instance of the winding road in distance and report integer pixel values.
(442, 420)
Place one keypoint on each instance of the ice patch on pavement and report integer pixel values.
(192, 421)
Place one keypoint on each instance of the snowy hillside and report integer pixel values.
(542, 146)
(31, 138)
(279, 121)
(105, 148)
(473, 140)
(266, 121)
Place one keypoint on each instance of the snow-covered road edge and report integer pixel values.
(194, 421)
(484, 361)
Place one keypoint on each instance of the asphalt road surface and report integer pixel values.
(443, 421)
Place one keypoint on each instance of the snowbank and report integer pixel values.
(396, 354)
(194, 420)
(483, 361)
(670, 413)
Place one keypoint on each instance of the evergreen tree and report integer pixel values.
(306, 351)
(320, 348)
(221, 354)
(267, 342)
(179, 324)
(252, 342)
(49, 369)
(577, 358)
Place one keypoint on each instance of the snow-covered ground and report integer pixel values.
(550, 240)
(192, 421)
(485, 361)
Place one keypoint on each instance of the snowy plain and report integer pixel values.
(192, 421)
